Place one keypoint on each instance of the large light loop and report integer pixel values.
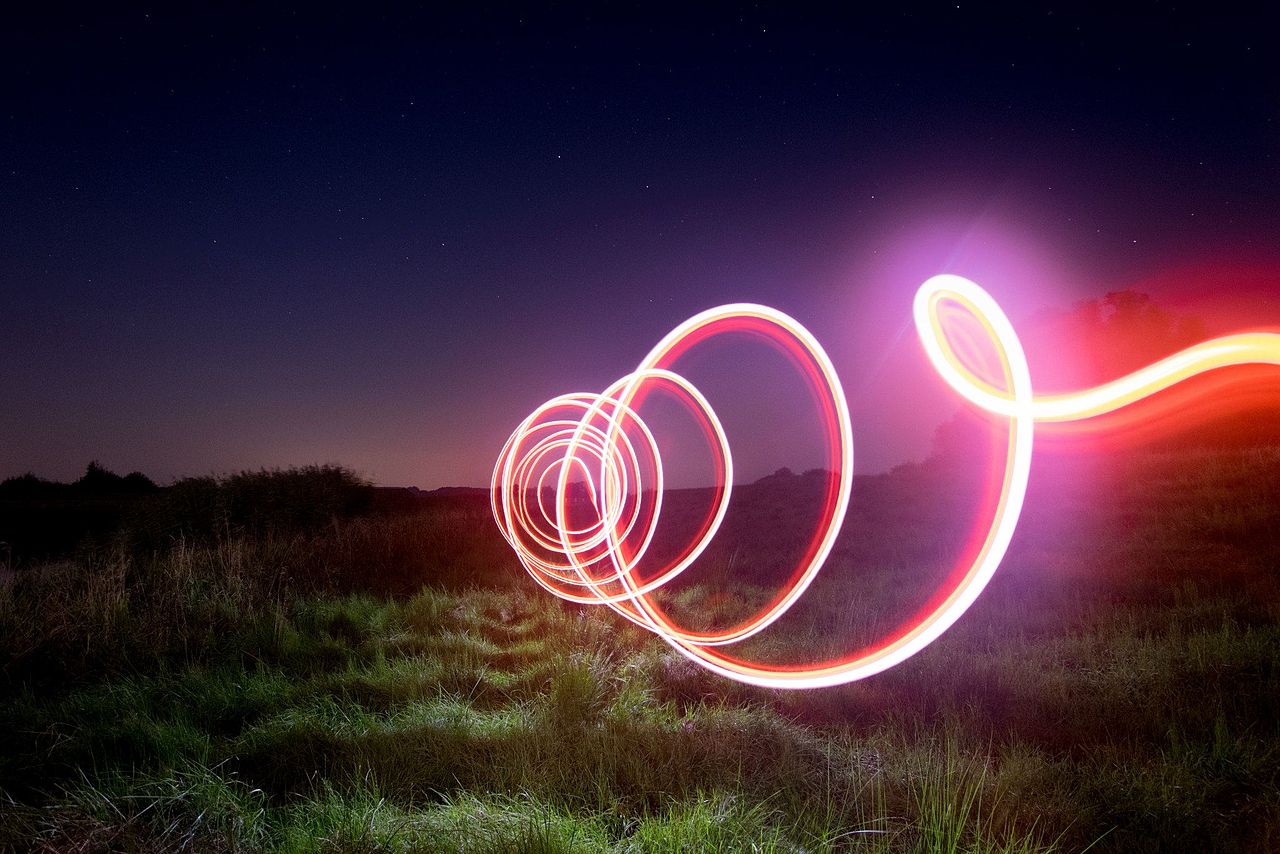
(602, 440)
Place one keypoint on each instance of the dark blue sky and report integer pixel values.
(380, 238)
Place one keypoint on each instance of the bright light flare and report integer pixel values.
(601, 439)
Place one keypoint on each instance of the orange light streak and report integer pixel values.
(602, 439)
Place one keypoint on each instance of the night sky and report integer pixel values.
(380, 239)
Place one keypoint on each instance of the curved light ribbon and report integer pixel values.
(601, 439)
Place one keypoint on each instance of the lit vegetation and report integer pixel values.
(392, 683)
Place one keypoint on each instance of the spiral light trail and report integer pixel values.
(602, 439)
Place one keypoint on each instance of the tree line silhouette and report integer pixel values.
(42, 519)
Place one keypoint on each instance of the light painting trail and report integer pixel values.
(601, 439)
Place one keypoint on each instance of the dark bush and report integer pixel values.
(261, 504)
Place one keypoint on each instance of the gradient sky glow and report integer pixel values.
(234, 240)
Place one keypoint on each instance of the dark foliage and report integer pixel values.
(45, 520)
(267, 503)
(97, 480)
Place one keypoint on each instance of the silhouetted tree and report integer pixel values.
(98, 480)
(26, 487)
(137, 483)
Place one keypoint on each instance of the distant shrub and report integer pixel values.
(42, 519)
(137, 483)
(96, 482)
(266, 503)
(28, 487)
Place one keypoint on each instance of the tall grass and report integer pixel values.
(387, 683)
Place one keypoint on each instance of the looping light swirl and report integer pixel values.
(584, 543)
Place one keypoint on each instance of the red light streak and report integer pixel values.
(602, 439)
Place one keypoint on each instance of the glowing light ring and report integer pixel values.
(518, 470)
(511, 483)
(601, 432)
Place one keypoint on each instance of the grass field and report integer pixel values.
(394, 683)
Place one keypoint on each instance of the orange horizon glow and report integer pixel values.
(602, 439)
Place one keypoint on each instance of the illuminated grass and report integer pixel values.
(1140, 712)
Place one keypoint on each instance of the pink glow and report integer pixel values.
(969, 342)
